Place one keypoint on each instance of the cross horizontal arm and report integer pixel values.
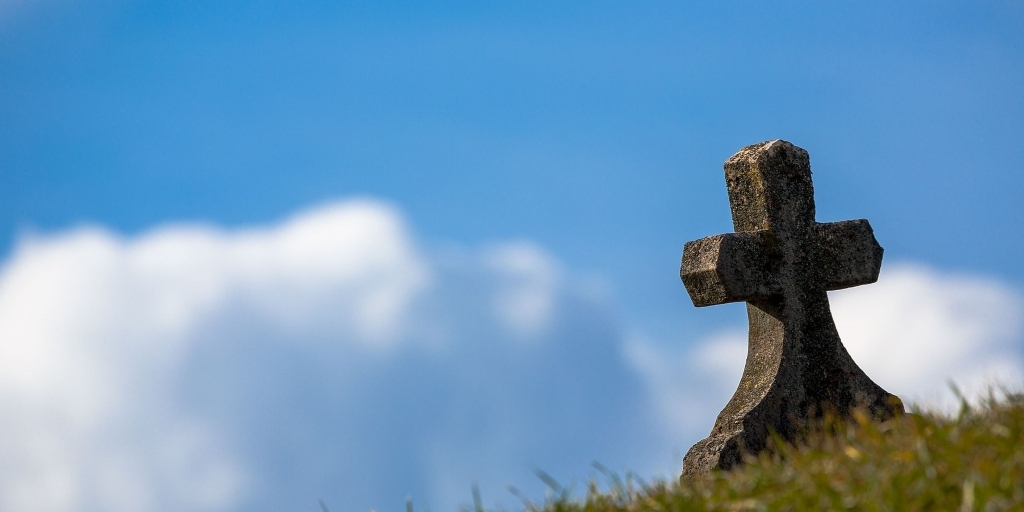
(849, 253)
(728, 268)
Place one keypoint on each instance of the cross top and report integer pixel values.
(770, 187)
(782, 262)
(778, 242)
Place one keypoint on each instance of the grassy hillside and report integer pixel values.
(925, 461)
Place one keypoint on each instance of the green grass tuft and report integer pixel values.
(922, 461)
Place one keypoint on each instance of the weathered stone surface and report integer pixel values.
(781, 263)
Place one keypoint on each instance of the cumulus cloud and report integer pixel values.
(529, 279)
(913, 332)
(193, 368)
(918, 329)
(333, 356)
(94, 330)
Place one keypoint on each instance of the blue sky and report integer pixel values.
(551, 159)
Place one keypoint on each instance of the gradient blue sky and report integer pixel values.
(596, 130)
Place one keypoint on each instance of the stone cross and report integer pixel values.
(781, 262)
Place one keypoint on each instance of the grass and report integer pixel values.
(973, 460)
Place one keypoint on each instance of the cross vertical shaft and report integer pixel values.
(782, 263)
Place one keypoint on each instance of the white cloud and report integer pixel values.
(529, 279)
(196, 368)
(94, 330)
(912, 332)
(917, 329)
